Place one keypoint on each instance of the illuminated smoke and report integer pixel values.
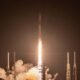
(49, 76)
(21, 67)
(10, 77)
(2, 73)
(25, 72)
(29, 72)
(21, 76)
(55, 76)
(33, 74)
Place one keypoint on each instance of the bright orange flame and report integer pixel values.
(39, 52)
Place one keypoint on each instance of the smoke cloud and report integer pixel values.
(2, 73)
(25, 72)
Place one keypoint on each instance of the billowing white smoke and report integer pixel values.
(28, 72)
(25, 72)
(21, 76)
(49, 76)
(55, 76)
(2, 73)
(10, 77)
(32, 74)
(20, 67)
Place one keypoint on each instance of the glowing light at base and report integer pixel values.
(33, 74)
(39, 52)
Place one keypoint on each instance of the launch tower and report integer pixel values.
(74, 68)
(68, 72)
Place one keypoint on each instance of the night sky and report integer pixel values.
(60, 32)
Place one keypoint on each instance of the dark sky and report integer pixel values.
(60, 32)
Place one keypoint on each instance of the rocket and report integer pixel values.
(68, 72)
(39, 43)
(41, 68)
(74, 68)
